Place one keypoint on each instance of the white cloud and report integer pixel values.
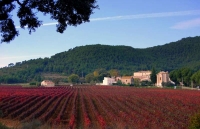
(150, 15)
(45, 24)
(139, 16)
(187, 24)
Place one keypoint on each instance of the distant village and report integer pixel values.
(162, 77)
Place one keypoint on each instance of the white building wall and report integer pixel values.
(108, 81)
(47, 83)
(142, 73)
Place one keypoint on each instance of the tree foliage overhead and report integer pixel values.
(65, 12)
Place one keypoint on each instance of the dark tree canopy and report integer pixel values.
(123, 60)
(65, 12)
(153, 76)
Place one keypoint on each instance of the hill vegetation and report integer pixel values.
(82, 60)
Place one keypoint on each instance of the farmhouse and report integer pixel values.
(47, 83)
(142, 75)
(108, 81)
(127, 80)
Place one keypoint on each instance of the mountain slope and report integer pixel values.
(85, 59)
(185, 52)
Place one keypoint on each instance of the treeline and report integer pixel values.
(187, 76)
(83, 60)
(96, 76)
(22, 76)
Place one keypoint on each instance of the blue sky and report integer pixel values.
(136, 23)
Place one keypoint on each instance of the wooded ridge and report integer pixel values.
(82, 60)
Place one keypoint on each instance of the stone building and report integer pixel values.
(142, 75)
(108, 81)
(47, 83)
(127, 80)
(162, 77)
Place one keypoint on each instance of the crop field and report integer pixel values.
(101, 106)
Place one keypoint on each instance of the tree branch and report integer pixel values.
(19, 3)
(22, 4)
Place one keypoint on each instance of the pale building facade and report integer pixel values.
(142, 75)
(108, 81)
(162, 77)
(47, 83)
(127, 80)
(118, 78)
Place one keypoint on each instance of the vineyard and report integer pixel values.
(101, 106)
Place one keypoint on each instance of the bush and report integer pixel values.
(1, 114)
(167, 84)
(195, 121)
(3, 126)
(146, 83)
(32, 83)
(119, 83)
(34, 124)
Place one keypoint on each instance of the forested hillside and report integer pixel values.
(184, 52)
(85, 59)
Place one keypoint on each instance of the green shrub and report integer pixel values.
(34, 124)
(1, 114)
(167, 84)
(3, 126)
(146, 83)
(32, 83)
(195, 121)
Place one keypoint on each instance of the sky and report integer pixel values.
(135, 23)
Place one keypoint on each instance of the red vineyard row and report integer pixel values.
(101, 106)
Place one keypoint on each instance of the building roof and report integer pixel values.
(142, 78)
(48, 82)
(148, 71)
(126, 77)
(162, 72)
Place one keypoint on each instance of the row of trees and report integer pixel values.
(98, 75)
(95, 77)
(23, 76)
(187, 76)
